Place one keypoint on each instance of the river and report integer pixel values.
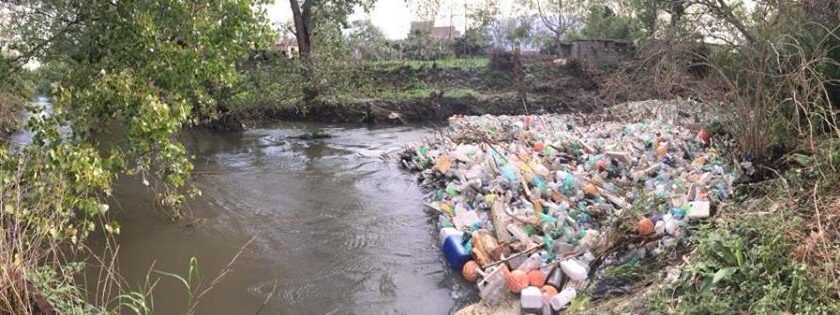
(338, 230)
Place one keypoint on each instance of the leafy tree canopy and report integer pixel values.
(148, 67)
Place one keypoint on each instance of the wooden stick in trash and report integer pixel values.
(620, 156)
(600, 184)
(586, 147)
(525, 187)
(524, 252)
(500, 221)
(438, 209)
(618, 201)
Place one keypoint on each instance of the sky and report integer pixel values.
(394, 17)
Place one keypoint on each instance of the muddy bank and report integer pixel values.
(435, 108)
(431, 109)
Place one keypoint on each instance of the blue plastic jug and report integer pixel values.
(455, 252)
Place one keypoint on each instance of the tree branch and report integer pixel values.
(723, 11)
(31, 52)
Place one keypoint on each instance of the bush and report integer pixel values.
(747, 265)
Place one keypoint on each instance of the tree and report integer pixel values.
(480, 16)
(557, 16)
(367, 40)
(149, 66)
(647, 11)
(307, 15)
(513, 32)
(606, 21)
(520, 33)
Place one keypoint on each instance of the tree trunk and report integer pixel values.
(302, 16)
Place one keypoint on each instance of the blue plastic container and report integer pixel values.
(455, 252)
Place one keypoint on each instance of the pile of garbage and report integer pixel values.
(527, 203)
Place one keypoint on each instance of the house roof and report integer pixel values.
(435, 31)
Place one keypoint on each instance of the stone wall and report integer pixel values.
(598, 51)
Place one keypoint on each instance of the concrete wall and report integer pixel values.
(597, 51)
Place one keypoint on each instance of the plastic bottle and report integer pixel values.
(492, 285)
(465, 218)
(574, 269)
(509, 173)
(533, 262)
(559, 301)
(531, 300)
(555, 277)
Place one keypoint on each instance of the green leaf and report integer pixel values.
(723, 274)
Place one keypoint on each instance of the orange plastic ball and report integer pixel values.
(539, 146)
(549, 290)
(470, 271)
(645, 226)
(516, 281)
(590, 189)
(536, 278)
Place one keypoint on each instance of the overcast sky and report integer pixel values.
(394, 17)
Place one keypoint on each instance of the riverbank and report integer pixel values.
(427, 91)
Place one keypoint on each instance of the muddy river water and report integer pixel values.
(338, 230)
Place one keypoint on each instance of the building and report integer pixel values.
(445, 32)
(437, 32)
(601, 51)
(287, 46)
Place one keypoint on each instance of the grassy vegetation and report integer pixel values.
(448, 63)
(351, 86)
(747, 263)
(357, 83)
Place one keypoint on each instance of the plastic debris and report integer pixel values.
(698, 210)
(645, 227)
(455, 251)
(531, 300)
(492, 286)
(536, 278)
(516, 281)
(549, 291)
(559, 301)
(538, 194)
(470, 271)
(574, 270)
